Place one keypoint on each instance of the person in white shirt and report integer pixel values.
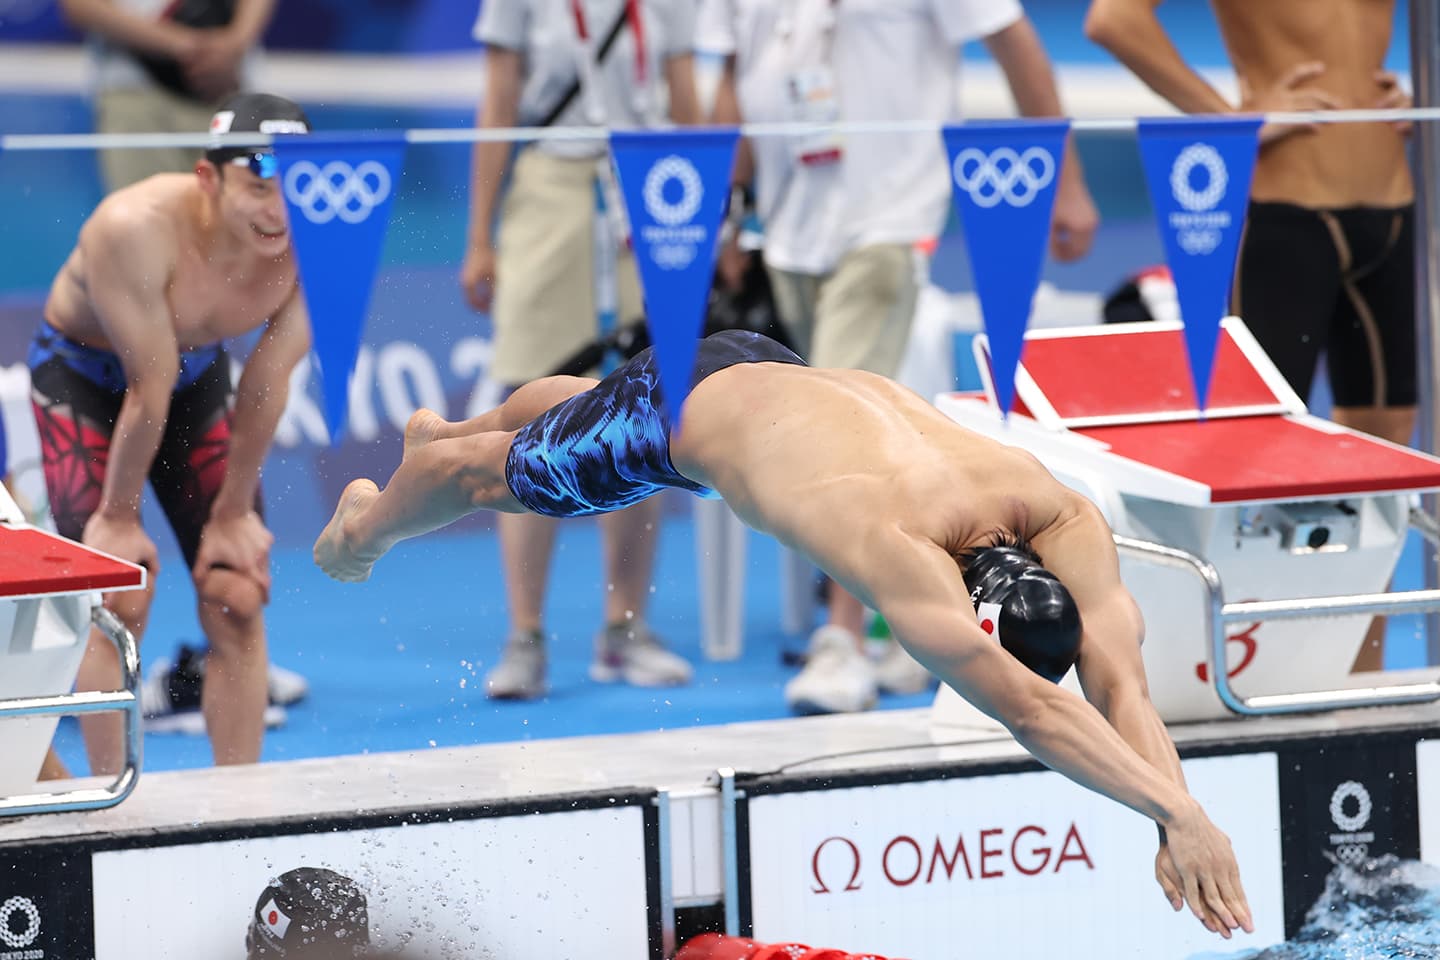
(842, 215)
(161, 66)
(537, 276)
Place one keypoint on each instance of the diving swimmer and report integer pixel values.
(923, 520)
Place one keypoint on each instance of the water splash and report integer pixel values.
(1385, 908)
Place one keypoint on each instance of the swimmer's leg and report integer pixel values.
(522, 406)
(440, 482)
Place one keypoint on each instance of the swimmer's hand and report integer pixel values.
(1287, 95)
(121, 535)
(1202, 870)
(1393, 96)
(337, 552)
(239, 542)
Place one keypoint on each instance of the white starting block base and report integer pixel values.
(58, 628)
(49, 587)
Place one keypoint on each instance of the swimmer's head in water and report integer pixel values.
(1032, 613)
(243, 181)
(309, 913)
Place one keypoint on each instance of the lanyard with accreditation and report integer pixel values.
(810, 86)
(590, 62)
(594, 99)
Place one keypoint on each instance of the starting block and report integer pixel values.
(50, 590)
(1259, 541)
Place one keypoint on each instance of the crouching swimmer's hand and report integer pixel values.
(339, 551)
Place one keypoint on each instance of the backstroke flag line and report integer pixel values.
(1199, 172)
(675, 185)
(338, 191)
(1004, 175)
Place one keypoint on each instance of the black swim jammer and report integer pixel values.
(1341, 282)
(609, 447)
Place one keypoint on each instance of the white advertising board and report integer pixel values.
(1014, 865)
(1427, 786)
(559, 885)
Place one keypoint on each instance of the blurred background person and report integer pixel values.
(842, 217)
(161, 66)
(1327, 259)
(626, 65)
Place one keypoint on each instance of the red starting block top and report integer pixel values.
(1270, 458)
(1128, 387)
(36, 562)
(1144, 374)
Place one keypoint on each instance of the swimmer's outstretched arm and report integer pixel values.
(435, 485)
(1081, 552)
(918, 588)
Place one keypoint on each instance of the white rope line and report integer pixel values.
(133, 141)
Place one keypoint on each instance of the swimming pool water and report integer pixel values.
(1386, 908)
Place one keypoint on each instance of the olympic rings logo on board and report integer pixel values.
(25, 907)
(1003, 175)
(337, 190)
(1218, 178)
(692, 191)
(1351, 790)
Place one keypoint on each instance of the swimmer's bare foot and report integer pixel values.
(423, 427)
(335, 551)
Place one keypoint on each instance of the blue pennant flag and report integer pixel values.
(1004, 175)
(338, 190)
(1199, 177)
(676, 187)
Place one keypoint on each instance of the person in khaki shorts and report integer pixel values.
(843, 215)
(537, 276)
(157, 71)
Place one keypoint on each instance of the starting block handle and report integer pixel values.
(126, 701)
(1218, 613)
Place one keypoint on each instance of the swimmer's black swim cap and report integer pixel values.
(254, 113)
(1034, 616)
(306, 913)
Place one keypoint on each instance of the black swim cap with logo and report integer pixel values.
(1032, 613)
(255, 113)
(306, 913)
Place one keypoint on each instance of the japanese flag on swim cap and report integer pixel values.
(254, 113)
(989, 616)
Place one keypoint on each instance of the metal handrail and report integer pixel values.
(1218, 613)
(126, 701)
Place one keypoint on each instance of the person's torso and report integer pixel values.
(889, 61)
(631, 78)
(822, 459)
(1339, 164)
(207, 302)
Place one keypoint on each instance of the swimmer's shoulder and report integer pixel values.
(140, 224)
(152, 211)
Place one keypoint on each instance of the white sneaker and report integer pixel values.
(898, 672)
(837, 678)
(170, 696)
(520, 674)
(192, 722)
(287, 687)
(632, 653)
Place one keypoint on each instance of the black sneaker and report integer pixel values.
(170, 695)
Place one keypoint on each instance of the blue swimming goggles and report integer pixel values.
(262, 164)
